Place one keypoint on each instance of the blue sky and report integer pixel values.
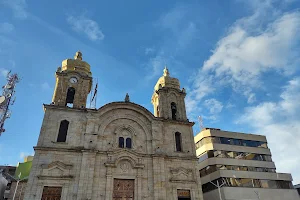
(239, 61)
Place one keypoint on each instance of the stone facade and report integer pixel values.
(160, 157)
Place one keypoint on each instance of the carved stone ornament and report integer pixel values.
(181, 175)
(125, 166)
(56, 170)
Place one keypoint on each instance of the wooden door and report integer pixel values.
(51, 193)
(123, 189)
(183, 195)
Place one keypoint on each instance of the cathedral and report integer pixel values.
(121, 151)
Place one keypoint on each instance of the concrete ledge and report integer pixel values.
(246, 174)
(239, 193)
(226, 147)
(236, 162)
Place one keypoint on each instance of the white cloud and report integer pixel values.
(244, 55)
(230, 105)
(3, 72)
(18, 7)
(6, 27)
(265, 41)
(24, 154)
(190, 103)
(45, 86)
(214, 106)
(280, 122)
(149, 50)
(82, 24)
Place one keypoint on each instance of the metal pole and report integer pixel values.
(219, 189)
(20, 194)
(15, 190)
(257, 195)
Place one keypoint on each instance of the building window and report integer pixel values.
(231, 141)
(128, 143)
(174, 110)
(236, 155)
(70, 95)
(157, 111)
(63, 130)
(121, 142)
(178, 141)
(246, 182)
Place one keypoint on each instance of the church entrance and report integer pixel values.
(183, 195)
(51, 193)
(123, 189)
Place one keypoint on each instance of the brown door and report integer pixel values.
(183, 195)
(123, 189)
(51, 193)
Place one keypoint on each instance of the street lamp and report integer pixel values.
(217, 185)
(18, 180)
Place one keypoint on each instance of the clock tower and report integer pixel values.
(73, 83)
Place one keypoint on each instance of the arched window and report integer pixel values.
(121, 142)
(63, 130)
(178, 141)
(174, 110)
(157, 111)
(128, 143)
(70, 95)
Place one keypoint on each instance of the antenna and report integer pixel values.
(91, 99)
(93, 102)
(201, 123)
(7, 98)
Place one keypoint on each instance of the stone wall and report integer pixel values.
(86, 165)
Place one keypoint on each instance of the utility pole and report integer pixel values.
(219, 187)
(7, 98)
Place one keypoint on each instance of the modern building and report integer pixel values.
(119, 151)
(5, 185)
(22, 171)
(239, 166)
(297, 187)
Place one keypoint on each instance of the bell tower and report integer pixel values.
(73, 83)
(168, 98)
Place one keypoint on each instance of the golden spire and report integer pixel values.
(166, 71)
(78, 56)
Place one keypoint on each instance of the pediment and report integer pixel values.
(181, 175)
(115, 157)
(57, 164)
(56, 170)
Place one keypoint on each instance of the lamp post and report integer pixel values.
(18, 180)
(219, 187)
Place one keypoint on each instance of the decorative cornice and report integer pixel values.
(58, 164)
(118, 151)
(55, 177)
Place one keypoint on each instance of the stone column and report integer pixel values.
(86, 175)
(159, 178)
(139, 183)
(109, 184)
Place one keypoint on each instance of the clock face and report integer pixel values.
(73, 80)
